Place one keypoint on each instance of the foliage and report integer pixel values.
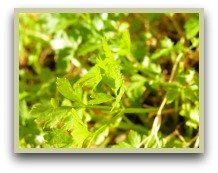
(98, 80)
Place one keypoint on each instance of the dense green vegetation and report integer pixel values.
(108, 80)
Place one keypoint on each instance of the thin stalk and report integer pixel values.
(98, 107)
(140, 110)
(157, 120)
(195, 139)
(196, 145)
(126, 110)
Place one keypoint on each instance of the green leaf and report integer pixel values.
(54, 103)
(126, 40)
(107, 49)
(160, 52)
(122, 145)
(23, 111)
(110, 69)
(88, 47)
(111, 75)
(173, 142)
(65, 88)
(195, 42)
(134, 139)
(191, 113)
(28, 131)
(116, 104)
(179, 47)
(59, 138)
(92, 78)
(166, 43)
(66, 116)
(68, 123)
(173, 92)
(51, 117)
(192, 27)
(93, 136)
(101, 137)
(191, 92)
(80, 130)
(99, 98)
(136, 89)
(125, 46)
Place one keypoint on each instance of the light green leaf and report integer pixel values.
(92, 78)
(125, 44)
(166, 43)
(107, 49)
(54, 103)
(116, 104)
(110, 70)
(173, 91)
(99, 98)
(59, 138)
(191, 113)
(23, 110)
(51, 117)
(93, 136)
(136, 89)
(191, 92)
(192, 27)
(126, 40)
(65, 88)
(160, 52)
(122, 145)
(80, 130)
(101, 137)
(134, 139)
(88, 47)
(195, 42)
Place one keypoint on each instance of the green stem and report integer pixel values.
(98, 107)
(126, 110)
(140, 110)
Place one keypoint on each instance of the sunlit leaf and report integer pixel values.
(134, 139)
(80, 130)
(65, 88)
(192, 27)
(98, 98)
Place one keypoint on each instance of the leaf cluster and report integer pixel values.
(97, 80)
